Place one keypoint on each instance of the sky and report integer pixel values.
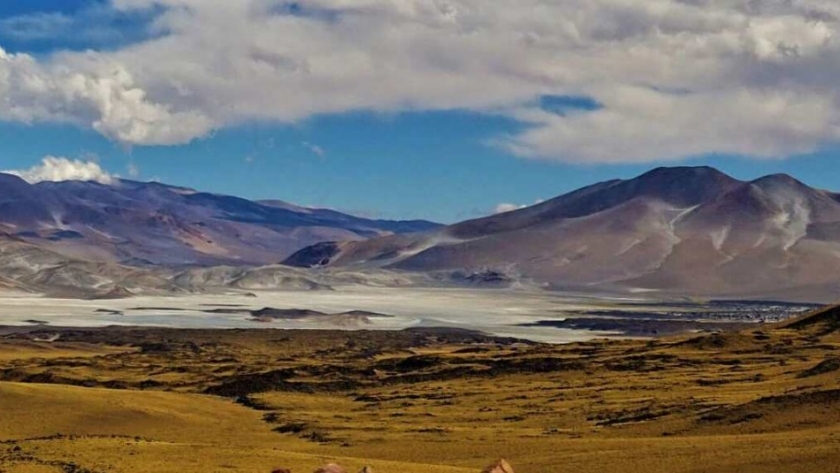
(436, 109)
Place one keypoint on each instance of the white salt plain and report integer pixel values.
(497, 312)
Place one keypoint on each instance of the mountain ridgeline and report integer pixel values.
(688, 230)
(152, 224)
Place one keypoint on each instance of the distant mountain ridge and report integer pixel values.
(150, 224)
(691, 230)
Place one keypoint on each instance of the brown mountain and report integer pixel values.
(687, 230)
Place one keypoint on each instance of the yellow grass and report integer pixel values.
(748, 402)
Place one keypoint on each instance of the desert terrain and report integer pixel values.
(414, 236)
(533, 314)
(634, 325)
(120, 399)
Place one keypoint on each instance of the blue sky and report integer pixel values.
(394, 158)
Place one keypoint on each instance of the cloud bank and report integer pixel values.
(57, 169)
(673, 78)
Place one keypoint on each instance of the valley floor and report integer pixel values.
(426, 400)
(534, 314)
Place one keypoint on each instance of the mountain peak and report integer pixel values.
(689, 229)
(681, 185)
(684, 174)
(778, 180)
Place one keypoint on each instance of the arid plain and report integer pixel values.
(126, 399)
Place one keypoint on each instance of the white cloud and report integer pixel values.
(133, 170)
(91, 90)
(57, 169)
(639, 124)
(508, 207)
(676, 78)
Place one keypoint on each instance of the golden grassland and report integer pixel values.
(121, 399)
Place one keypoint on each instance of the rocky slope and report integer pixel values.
(690, 230)
(149, 224)
(32, 268)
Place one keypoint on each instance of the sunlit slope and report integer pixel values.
(129, 431)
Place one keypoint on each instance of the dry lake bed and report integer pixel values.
(532, 314)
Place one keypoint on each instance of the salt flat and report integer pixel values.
(498, 312)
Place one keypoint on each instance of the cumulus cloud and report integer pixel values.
(57, 169)
(94, 91)
(673, 78)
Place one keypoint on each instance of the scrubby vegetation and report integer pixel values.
(128, 399)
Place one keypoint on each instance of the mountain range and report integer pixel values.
(152, 224)
(686, 230)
